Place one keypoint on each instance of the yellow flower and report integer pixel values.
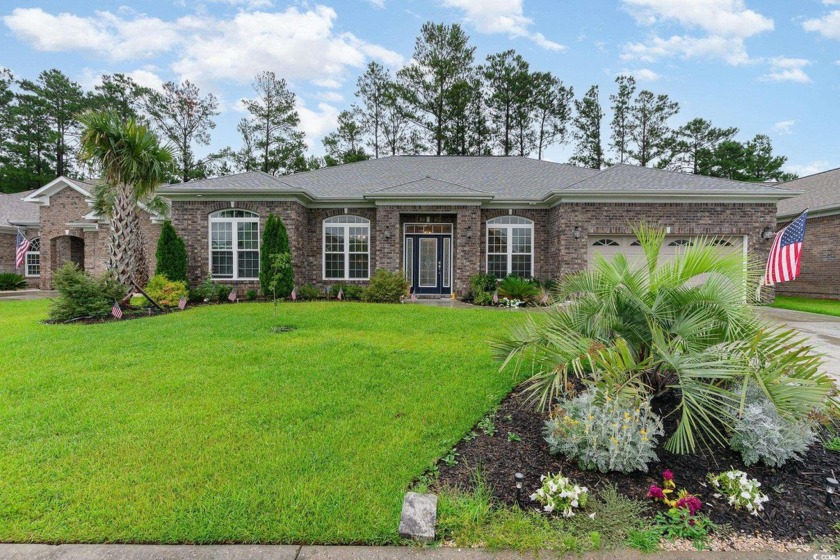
(643, 431)
(624, 426)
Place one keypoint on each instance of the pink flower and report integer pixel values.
(691, 503)
(667, 475)
(655, 493)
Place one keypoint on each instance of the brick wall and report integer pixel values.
(819, 276)
(542, 237)
(8, 251)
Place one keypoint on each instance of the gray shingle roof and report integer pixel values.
(820, 192)
(503, 178)
(14, 209)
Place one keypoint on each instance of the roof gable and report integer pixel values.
(42, 195)
(819, 193)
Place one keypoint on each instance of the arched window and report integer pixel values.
(32, 260)
(235, 244)
(346, 248)
(636, 243)
(510, 247)
(606, 243)
(680, 243)
(722, 243)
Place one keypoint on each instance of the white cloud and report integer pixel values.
(725, 25)
(501, 16)
(331, 96)
(642, 74)
(377, 3)
(828, 26)
(784, 69)
(805, 169)
(784, 128)
(316, 123)
(146, 78)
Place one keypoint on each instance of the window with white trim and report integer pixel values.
(606, 243)
(346, 248)
(32, 259)
(510, 247)
(235, 244)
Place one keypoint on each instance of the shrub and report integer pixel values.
(308, 292)
(605, 433)
(206, 291)
(352, 292)
(559, 493)
(482, 287)
(739, 490)
(386, 287)
(514, 287)
(251, 295)
(762, 434)
(222, 292)
(164, 291)
(82, 295)
(12, 281)
(171, 254)
(275, 241)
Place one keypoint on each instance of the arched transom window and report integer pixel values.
(606, 243)
(510, 247)
(346, 248)
(32, 261)
(235, 244)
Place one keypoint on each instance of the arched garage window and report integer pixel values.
(32, 262)
(235, 244)
(510, 247)
(346, 248)
(606, 243)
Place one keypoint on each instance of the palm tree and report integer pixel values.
(655, 328)
(133, 163)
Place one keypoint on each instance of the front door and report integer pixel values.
(428, 260)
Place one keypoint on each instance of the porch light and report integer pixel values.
(469, 232)
(576, 232)
(520, 479)
(387, 232)
(831, 487)
(767, 233)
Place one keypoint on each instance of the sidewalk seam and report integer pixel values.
(297, 554)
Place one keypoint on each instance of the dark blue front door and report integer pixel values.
(428, 259)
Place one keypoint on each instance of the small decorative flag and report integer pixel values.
(340, 295)
(544, 299)
(116, 311)
(22, 245)
(413, 297)
(232, 295)
(294, 293)
(182, 303)
(496, 296)
(784, 259)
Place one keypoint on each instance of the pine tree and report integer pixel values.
(171, 254)
(275, 241)
(587, 131)
(621, 102)
(650, 134)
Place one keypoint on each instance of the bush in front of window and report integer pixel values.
(275, 241)
(204, 292)
(351, 292)
(11, 281)
(171, 254)
(165, 292)
(308, 292)
(82, 295)
(482, 288)
(386, 287)
(514, 287)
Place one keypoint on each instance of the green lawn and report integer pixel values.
(204, 426)
(823, 306)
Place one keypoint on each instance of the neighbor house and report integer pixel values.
(439, 220)
(820, 260)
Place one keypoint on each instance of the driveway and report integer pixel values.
(822, 331)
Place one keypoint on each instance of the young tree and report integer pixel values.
(120, 94)
(621, 106)
(551, 107)
(185, 118)
(650, 134)
(372, 88)
(442, 59)
(30, 159)
(133, 163)
(275, 241)
(509, 94)
(398, 131)
(171, 254)
(270, 133)
(695, 140)
(761, 164)
(344, 145)
(587, 131)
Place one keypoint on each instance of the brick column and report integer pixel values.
(467, 249)
(387, 251)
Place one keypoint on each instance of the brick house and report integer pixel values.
(820, 260)
(442, 219)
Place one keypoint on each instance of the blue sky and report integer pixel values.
(771, 66)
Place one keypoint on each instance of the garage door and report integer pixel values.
(611, 245)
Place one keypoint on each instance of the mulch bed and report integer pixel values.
(796, 509)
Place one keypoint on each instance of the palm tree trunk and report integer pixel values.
(120, 250)
(141, 266)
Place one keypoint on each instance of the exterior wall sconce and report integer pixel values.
(576, 232)
(767, 233)
(387, 232)
(469, 232)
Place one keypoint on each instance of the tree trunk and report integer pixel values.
(141, 266)
(120, 250)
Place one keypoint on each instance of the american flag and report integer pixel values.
(496, 297)
(294, 293)
(340, 295)
(116, 311)
(783, 262)
(544, 299)
(232, 295)
(22, 244)
(182, 303)
(413, 297)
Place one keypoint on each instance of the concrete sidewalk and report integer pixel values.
(292, 552)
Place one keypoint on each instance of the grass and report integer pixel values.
(821, 306)
(205, 426)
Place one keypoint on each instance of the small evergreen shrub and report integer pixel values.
(386, 287)
(762, 434)
(165, 292)
(171, 255)
(206, 291)
(352, 292)
(251, 295)
(83, 295)
(275, 241)
(605, 433)
(482, 288)
(222, 292)
(308, 292)
(10, 281)
(514, 287)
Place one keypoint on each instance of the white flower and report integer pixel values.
(534, 497)
(592, 515)
(549, 508)
(716, 495)
(745, 495)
